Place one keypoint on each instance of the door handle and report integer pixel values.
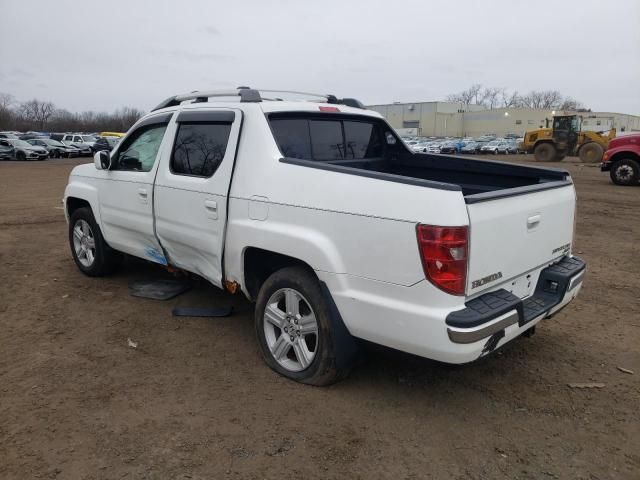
(533, 220)
(212, 209)
(142, 195)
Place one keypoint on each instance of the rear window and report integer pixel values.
(326, 139)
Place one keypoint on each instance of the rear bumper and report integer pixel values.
(421, 320)
(491, 313)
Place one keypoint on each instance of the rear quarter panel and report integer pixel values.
(338, 223)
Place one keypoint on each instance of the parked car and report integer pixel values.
(420, 146)
(622, 160)
(452, 146)
(56, 149)
(24, 150)
(6, 152)
(470, 148)
(507, 148)
(433, 147)
(494, 147)
(32, 135)
(256, 197)
(84, 142)
(112, 134)
(8, 135)
(84, 148)
(105, 143)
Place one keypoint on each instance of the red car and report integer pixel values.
(622, 160)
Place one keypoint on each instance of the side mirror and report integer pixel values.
(102, 160)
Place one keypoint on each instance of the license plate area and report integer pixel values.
(522, 286)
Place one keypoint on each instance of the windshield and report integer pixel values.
(492, 143)
(88, 138)
(19, 143)
(55, 143)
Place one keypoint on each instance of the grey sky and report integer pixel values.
(102, 55)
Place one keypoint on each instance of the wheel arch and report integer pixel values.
(79, 195)
(624, 154)
(543, 140)
(258, 264)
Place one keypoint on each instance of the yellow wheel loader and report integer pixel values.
(566, 138)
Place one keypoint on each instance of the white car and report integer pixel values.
(420, 147)
(433, 148)
(318, 213)
(84, 143)
(494, 147)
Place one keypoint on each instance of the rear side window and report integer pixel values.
(327, 142)
(328, 139)
(292, 136)
(199, 148)
(363, 140)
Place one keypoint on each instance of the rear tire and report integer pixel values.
(591, 152)
(291, 302)
(544, 152)
(625, 172)
(91, 253)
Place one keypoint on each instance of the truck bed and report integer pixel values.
(479, 180)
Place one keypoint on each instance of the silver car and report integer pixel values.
(24, 150)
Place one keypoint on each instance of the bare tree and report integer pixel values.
(533, 99)
(571, 104)
(489, 97)
(467, 97)
(36, 112)
(6, 101)
(551, 98)
(509, 99)
(6, 113)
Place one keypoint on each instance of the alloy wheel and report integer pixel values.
(84, 243)
(291, 329)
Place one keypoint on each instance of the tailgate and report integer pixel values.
(514, 235)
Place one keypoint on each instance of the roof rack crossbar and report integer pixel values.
(251, 95)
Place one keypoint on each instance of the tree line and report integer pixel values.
(44, 116)
(499, 97)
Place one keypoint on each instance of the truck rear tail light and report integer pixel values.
(444, 252)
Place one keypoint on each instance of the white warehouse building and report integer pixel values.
(447, 119)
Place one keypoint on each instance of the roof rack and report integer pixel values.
(250, 95)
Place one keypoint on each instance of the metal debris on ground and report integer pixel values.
(586, 385)
(131, 343)
(158, 289)
(202, 311)
(625, 370)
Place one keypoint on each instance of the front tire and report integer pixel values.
(296, 331)
(90, 252)
(20, 156)
(625, 172)
(591, 152)
(544, 152)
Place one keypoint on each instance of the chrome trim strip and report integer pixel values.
(575, 281)
(471, 336)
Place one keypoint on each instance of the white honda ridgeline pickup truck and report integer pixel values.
(324, 218)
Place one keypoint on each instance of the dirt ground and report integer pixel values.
(195, 400)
